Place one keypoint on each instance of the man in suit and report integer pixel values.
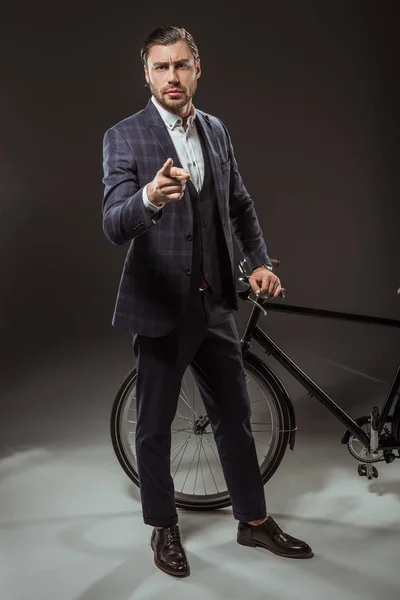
(174, 192)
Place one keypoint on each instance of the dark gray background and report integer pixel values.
(309, 91)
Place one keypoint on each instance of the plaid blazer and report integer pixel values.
(156, 274)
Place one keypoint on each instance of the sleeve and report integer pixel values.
(245, 224)
(124, 215)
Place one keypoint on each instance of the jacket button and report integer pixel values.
(189, 237)
(188, 271)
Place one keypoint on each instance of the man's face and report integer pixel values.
(172, 74)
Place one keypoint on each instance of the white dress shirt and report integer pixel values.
(187, 146)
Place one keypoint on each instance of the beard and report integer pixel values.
(171, 104)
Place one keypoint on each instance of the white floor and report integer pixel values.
(71, 525)
(71, 528)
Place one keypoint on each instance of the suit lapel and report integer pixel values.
(161, 135)
(215, 162)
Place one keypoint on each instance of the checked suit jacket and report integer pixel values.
(155, 279)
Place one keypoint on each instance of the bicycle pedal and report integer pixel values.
(367, 470)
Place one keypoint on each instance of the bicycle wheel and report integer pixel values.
(396, 424)
(195, 467)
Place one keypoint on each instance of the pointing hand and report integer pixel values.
(168, 184)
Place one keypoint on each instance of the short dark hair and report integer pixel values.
(166, 36)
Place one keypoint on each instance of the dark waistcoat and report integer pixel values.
(210, 260)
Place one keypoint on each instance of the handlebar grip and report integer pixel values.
(244, 294)
(282, 294)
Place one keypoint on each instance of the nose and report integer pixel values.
(172, 75)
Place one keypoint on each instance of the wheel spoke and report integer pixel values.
(212, 474)
(187, 404)
(182, 429)
(201, 469)
(184, 390)
(261, 442)
(180, 445)
(185, 447)
(197, 469)
(215, 454)
(252, 392)
(190, 466)
(184, 418)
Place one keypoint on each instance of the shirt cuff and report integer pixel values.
(151, 208)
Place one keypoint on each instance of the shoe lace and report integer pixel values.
(172, 535)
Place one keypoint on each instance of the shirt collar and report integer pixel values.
(171, 120)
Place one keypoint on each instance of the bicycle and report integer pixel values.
(371, 438)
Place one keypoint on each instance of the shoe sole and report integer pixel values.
(255, 544)
(169, 572)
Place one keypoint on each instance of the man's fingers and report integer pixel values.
(179, 173)
(169, 171)
(166, 168)
(172, 189)
(166, 183)
(175, 196)
(271, 287)
(268, 285)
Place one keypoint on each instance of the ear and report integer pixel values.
(198, 69)
(146, 74)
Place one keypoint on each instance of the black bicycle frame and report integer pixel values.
(254, 331)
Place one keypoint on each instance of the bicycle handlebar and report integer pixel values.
(245, 294)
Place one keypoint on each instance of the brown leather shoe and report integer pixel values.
(169, 555)
(270, 536)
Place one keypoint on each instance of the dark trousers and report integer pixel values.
(206, 338)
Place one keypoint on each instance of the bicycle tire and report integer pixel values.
(396, 423)
(267, 379)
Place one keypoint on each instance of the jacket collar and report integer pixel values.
(160, 132)
(170, 120)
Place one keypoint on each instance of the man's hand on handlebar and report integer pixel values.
(265, 283)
